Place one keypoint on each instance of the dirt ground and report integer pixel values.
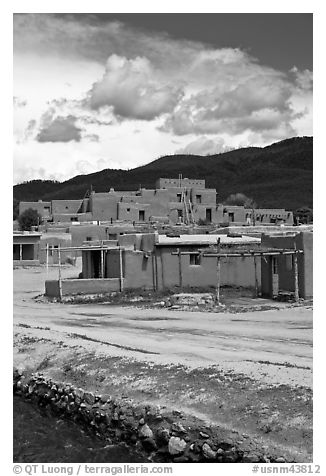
(249, 372)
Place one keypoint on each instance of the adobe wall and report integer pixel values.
(104, 206)
(70, 217)
(234, 271)
(80, 233)
(52, 239)
(66, 206)
(305, 262)
(71, 287)
(185, 182)
(138, 270)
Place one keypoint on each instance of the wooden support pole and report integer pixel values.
(155, 267)
(20, 252)
(296, 275)
(60, 281)
(180, 269)
(218, 280)
(162, 266)
(47, 258)
(102, 263)
(218, 272)
(154, 271)
(256, 276)
(121, 269)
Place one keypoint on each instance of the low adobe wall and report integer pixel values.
(26, 262)
(71, 287)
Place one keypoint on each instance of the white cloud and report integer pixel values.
(60, 129)
(134, 89)
(204, 146)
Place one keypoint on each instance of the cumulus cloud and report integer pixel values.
(60, 129)
(134, 89)
(304, 79)
(260, 102)
(19, 102)
(205, 146)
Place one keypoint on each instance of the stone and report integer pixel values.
(176, 445)
(163, 436)
(195, 458)
(208, 452)
(142, 421)
(280, 460)
(220, 451)
(178, 428)
(181, 459)
(145, 432)
(149, 444)
(89, 398)
(203, 435)
(250, 458)
(115, 416)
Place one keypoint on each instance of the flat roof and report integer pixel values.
(182, 240)
(24, 234)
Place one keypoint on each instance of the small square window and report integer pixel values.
(194, 260)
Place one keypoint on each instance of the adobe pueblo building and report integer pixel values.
(173, 201)
(271, 265)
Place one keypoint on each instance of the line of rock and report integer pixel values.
(158, 437)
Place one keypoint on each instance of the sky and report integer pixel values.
(97, 91)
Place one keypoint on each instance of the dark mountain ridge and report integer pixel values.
(279, 175)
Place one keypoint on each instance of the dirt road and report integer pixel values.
(250, 372)
(275, 346)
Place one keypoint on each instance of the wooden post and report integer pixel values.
(121, 269)
(154, 271)
(218, 273)
(256, 277)
(60, 282)
(20, 252)
(218, 280)
(102, 261)
(47, 258)
(180, 268)
(162, 266)
(296, 274)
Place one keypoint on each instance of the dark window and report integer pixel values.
(231, 216)
(194, 260)
(178, 197)
(180, 214)
(88, 238)
(128, 209)
(275, 266)
(198, 198)
(208, 214)
(74, 219)
(112, 236)
(141, 215)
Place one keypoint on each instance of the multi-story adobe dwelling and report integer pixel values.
(180, 200)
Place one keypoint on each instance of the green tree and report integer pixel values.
(29, 218)
(240, 199)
